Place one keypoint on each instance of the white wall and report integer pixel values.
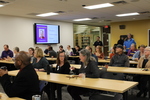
(18, 31)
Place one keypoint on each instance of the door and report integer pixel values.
(149, 37)
(106, 44)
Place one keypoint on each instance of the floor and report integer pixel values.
(66, 96)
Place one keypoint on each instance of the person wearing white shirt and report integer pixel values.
(69, 50)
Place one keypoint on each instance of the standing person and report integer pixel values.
(88, 69)
(46, 50)
(99, 53)
(69, 51)
(128, 42)
(98, 42)
(7, 52)
(26, 82)
(132, 50)
(143, 62)
(31, 53)
(139, 53)
(121, 41)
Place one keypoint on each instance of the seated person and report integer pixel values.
(144, 62)
(61, 49)
(46, 50)
(139, 53)
(16, 51)
(69, 51)
(132, 50)
(93, 55)
(26, 82)
(88, 69)
(39, 63)
(119, 59)
(7, 52)
(113, 50)
(99, 53)
(76, 51)
(52, 53)
(31, 53)
(63, 66)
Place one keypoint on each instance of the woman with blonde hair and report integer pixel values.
(40, 63)
(99, 53)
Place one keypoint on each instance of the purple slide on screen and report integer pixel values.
(41, 35)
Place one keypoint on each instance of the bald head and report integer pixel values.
(22, 59)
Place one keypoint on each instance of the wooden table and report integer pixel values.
(74, 56)
(5, 97)
(7, 62)
(51, 59)
(108, 61)
(92, 83)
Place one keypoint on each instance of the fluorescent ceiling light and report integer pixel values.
(83, 19)
(128, 14)
(1, 5)
(104, 5)
(47, 14)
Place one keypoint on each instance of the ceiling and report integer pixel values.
(73, 10)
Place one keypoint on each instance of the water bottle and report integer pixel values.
(48, 69)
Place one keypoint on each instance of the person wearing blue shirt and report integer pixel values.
(139, 53)
(128, 43)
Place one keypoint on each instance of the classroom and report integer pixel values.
(74, 49)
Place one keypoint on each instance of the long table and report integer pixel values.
(5, 97)
(92, 83)
(108, 61)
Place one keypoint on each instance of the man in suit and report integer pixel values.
(26, 82)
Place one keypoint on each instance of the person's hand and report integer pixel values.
(36, 69)
(81, 75)
(72, 68)
(136, 59)
(3, 72)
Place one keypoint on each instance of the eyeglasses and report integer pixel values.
(61, 56)
(146, 50)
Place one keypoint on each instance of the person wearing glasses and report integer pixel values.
(62, 67)
(26, 82)
(143, 62)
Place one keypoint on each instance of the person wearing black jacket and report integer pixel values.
(26, 82)
(88, 68)
(63, 66)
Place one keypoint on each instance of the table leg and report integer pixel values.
(125, 95)
(59, 92)
(149, 87)
(52, 91)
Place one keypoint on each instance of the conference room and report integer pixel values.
(88, 49)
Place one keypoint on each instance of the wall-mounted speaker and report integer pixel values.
(122, 26)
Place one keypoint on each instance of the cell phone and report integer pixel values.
(3, 67)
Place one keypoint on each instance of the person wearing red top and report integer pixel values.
(99, 53)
